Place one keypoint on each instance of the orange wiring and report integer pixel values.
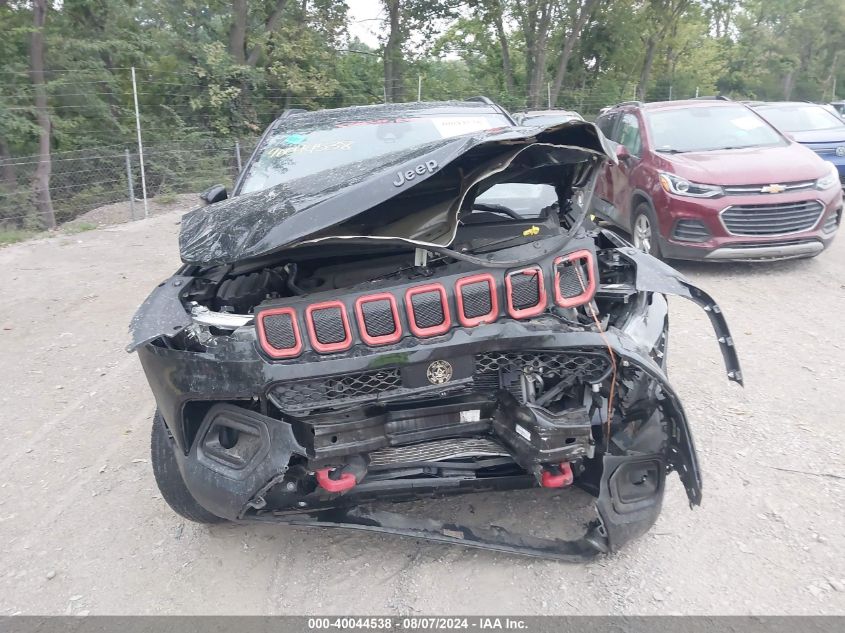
(612, 364)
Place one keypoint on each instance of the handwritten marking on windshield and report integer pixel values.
(308, 148)
(429, 166)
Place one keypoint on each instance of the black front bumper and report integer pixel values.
(233, 371)
(231, 491)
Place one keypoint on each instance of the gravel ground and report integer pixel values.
(84, 530)
(119, 212)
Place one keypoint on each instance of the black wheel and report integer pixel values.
(644, 232)
(169, 479)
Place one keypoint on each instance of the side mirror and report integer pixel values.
(622, 152)
(217, 193)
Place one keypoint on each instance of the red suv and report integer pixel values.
(710, 179)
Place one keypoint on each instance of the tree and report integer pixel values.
(579, 13)
(664, 15)
(404, 17)
(43, 201)
(392, 52)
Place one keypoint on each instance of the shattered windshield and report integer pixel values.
(296, 149)
(415, 194)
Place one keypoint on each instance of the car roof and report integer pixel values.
(790, 104)
(702, 102)
(383, 110)
(547, 112)
(690, 103)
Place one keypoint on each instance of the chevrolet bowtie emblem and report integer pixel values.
(772, 189)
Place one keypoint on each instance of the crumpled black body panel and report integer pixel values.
(263, 222)
(654, 275)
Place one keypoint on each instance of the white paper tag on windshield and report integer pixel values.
(473, 415)
(449, 126)
(747, 122)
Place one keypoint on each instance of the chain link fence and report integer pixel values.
(84, 180)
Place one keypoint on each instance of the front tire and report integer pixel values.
(169, 479)
(644, 232)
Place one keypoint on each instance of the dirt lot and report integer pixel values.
(84, 530)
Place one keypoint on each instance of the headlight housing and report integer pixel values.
(829, 180)
(682, 187)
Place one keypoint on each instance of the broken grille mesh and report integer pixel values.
(328, 325)
(525, 290)
(278, 328)
(378, 317)
(570, 285)
(428, 310)
(584, 366)
(476, 299)
(300, 395)
(491, 372)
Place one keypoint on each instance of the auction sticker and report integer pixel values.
(449, 126)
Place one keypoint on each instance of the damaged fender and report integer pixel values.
(654, 275)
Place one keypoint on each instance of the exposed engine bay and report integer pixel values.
(433, 343)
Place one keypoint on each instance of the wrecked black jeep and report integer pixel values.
(408, 300)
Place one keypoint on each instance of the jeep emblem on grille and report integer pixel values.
(429, 166)
(439, 372)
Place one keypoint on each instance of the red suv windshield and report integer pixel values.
(703, 129)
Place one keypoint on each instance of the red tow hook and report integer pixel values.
(346, 481)
(551, 479)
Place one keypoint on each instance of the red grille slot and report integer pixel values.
(328, 326)
(378, 319)
(428, 310)
(575, 283)
(526, 292)
(278, 332)
(478, 301)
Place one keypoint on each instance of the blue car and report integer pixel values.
(811, 125)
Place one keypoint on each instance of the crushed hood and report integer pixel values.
(412, 195)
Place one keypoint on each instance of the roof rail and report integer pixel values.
(712, 98)
(482, 99)
(490, 102)
(289, 111)
(628, 103)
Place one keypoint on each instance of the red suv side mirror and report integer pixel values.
(622, 152)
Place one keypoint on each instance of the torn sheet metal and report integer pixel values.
(654, 275)
(423, 185)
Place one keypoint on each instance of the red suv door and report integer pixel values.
(623, 176)
(603, 197)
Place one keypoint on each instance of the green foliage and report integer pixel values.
(78, 227)
(12, 236)
(200, 87)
